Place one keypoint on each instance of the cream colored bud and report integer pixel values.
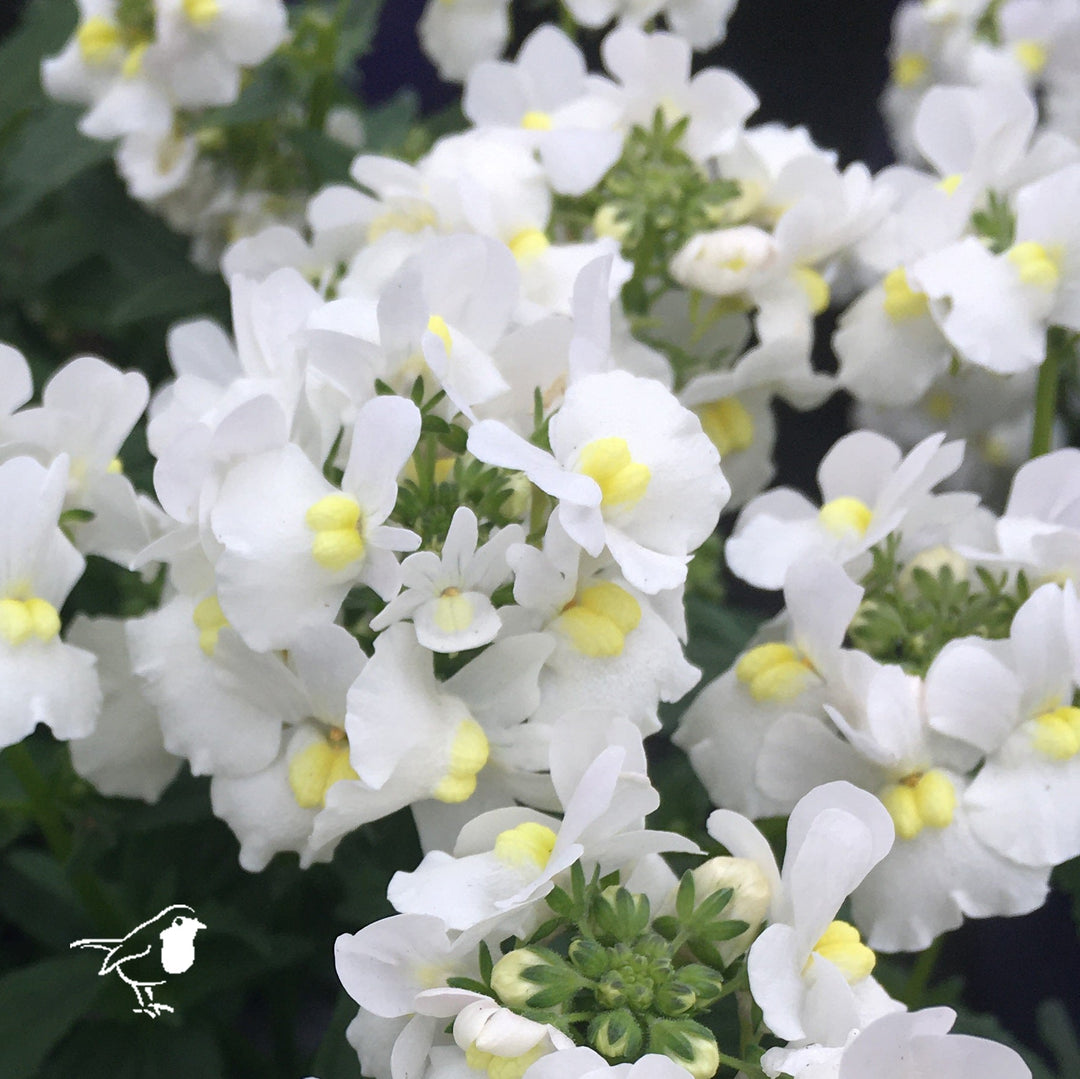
(606, 222)
(724, 262)
(933, 560)
(508, 977)
(749, 904)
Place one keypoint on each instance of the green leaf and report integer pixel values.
(684, 898)
(46, 154)
(42, 31)
(358, 25)
(39, 1004)
(38, 898)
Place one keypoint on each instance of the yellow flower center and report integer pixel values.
(598, 620)
(468, 754)
(21, 619)
(335, 520)
(453, 612)
(1031, 55)
(909, 68)
(97, 38)
(902, 302)
(728, 424)
(437, 325)
(202, 12)
(415, 220)
(209, 621)
(1035, 264)
(133, 62)
(816, 288)
(503, 1067)
(920, 800)
(846, 517)
(621, 479)
(843, 947)
(1056, 734)
(528, 244)
(316, 768)
(774, 672)
(527, 843)
(534, 120)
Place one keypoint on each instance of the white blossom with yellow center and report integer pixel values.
(632, 470)
(809, 972)
(867, 489)
(294, 545)
(448, 595)
(45, 680)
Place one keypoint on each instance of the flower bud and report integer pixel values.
(590, 958)
(705, 983)
(674, 998)
(621, 914)
(933, 560)
(616, 1034)
(749, 904)
(725, 261)
(687, 1043)
(611, 992)
(509, 979)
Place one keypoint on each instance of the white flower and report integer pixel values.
(44, 679)
(457, 36)
(448, 596)
(294, 545)
(632, 469)
(810, 973)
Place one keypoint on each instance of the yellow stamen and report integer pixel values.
(920, 800)
(774, 672)
(453, 611)
(843, 947)
(599, 619)
(336, 522)
(209, 620)
(950, 183)
(468, 755)
(816, 288)
(133, 62)
(316, 768)
(845, 517)
(1057, 734)
(909, 68)
(534, 120)
(437, 325)
(728, 424)
(21, 619)
(1031, 55)
(902, 302)
(528, 244)
(528, 842)
(1035, 264)
(621, 479)
(98, 39)
(202, 12)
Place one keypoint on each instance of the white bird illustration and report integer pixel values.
(164, 944)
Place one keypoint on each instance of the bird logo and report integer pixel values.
(162, 945)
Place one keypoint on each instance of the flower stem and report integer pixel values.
(1059, 344)
(919, 979)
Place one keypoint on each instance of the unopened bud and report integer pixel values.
(611, 992)
(706, 983)
(608, 222)
(590, 958)
(687, 1043)
(674, 998)
(933, 560)
(616, 1034)
(622, 914)
(749, 903)
(509, 980)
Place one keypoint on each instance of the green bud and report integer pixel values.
(639, 995)
(611, 992)
(687, 1043)
(616, 1034)
(673, 998)
(705, 983)
(510, 980)
(590, 958)
(621, 914)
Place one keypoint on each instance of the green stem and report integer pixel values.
(1046, 395)
(40, 801)
(743, 1066)
(567, 24)
(921, 972)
